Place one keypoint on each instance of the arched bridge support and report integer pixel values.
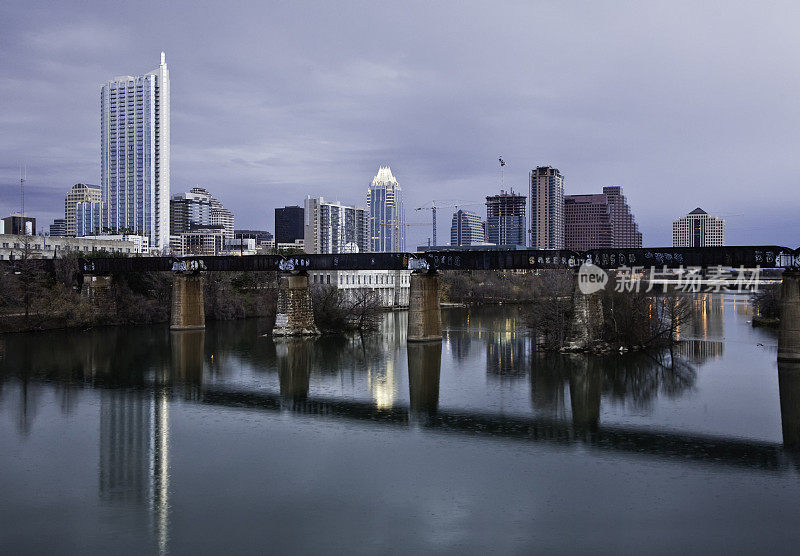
(188, 307)
(789, 333)
(295, 312)
(424, 311)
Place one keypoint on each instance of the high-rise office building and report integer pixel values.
(190, 209)
(288, 224)
(387, 218)
(220, 216)
(58, 228)
(505, 219)
(466, 228)
(698, 229)
(79, 193)
(198, 208)
(335, 228)
(626, 230)
(88, 218)
(135, 154)
(587, 222)
(547, 208)
(600, 220)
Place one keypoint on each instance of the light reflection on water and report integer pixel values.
(711, 402)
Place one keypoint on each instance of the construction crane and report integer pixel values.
(448, 203)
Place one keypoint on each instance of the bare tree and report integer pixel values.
(337, 311)
(30, 276)
(365, 310)
(549, 315)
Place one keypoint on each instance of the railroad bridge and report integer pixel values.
(294, 314)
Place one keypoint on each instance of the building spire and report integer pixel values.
(163, 58)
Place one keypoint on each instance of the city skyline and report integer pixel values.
(645, 128)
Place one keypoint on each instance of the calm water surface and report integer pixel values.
(136, 440)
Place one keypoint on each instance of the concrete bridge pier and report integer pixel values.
(424, 311)
(188, 307)
(789, 333)
(587, 319)
(295, 314)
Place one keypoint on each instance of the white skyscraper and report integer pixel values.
(387, 218)
(134, 155)
(698, 229)
(334, 228)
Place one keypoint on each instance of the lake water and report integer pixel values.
(135, 440)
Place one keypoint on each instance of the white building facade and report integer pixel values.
(141, 243)
(46, 247)
(135, 154)
(391, 287)
(334, 228)
(698, 229)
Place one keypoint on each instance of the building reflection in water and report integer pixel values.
(135, 389)
(507, 351)
(294, 367)
(700, 351)
(424, 368)
(134, 453)
(708, 319)
(135, 432)
(381, 370)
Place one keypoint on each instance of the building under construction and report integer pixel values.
(505, 219)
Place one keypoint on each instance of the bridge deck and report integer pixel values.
(765, 256)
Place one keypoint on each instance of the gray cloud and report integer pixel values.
(683, 105)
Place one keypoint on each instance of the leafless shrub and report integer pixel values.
(488, 286)
(639, 319)
(336, 311)
(766, 301)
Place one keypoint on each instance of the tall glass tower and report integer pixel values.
(387, 217)
(134, 155)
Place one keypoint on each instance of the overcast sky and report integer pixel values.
(683, 105)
